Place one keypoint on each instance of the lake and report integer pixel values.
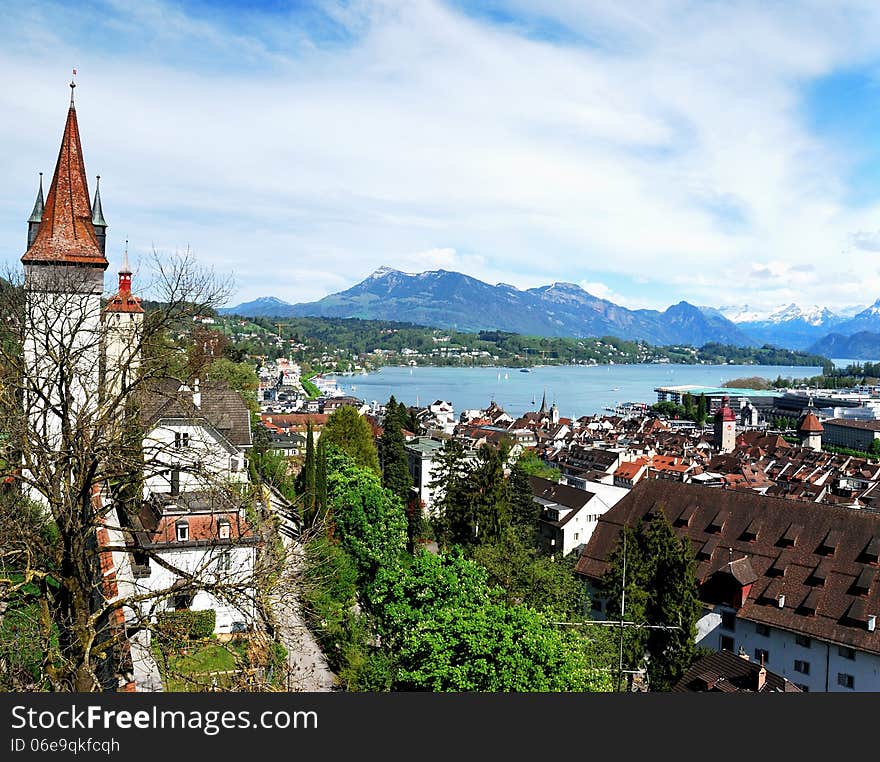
(577, 389)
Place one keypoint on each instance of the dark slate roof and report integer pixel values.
(724, 672)
(562, 494)
(790, 541)
(853, 424)
(222, 408)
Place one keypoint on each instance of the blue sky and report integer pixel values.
(726, 153)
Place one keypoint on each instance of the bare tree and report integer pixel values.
(75, 468)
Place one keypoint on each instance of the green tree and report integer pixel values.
(874, 449)
(661, 591)
(626, 597)
(369, 520)
(532, 465)
(524, 511)
(321, 477)
(702, 410)
(489, 494)
(451, 630)
(348, 430)
(528, 577)
(452, 523)
(673, 601)
(307, 476)
(688, 404)
(395, 467)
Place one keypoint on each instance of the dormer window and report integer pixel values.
(223, 529)
(717, 522)
(862, 583)
(871, 553)
(790, 536)
(181, 440)
(829, 543)
(820, 573)
(182, 530)
(684, 518)
(750, 533)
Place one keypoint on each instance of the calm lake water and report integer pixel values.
(576, 389)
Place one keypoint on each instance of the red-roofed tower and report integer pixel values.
(123, 319)
(63, 278)
(725, 427)
(810, 429)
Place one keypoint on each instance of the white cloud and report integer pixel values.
(672, 143)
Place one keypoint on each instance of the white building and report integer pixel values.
(196, 437)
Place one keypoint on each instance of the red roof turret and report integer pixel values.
(66, 234)
(724, 412)
(124, 300)
(809, 424)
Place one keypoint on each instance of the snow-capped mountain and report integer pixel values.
(813, 315)
(787, 325)
(743, 313)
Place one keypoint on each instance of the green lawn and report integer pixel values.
(310, 388)
(188, 667)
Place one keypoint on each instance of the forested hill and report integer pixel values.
(400, 341)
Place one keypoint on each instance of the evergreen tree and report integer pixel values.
(308, 475)
(395, 467)
(321, 477)
(452, 521)
(489, 495)
(524, 511)
(673, 601)
(688, 402)
(660, 590)
(350, 432)
(627, 599)
(702, 410)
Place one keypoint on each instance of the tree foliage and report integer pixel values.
(660, 590)
(348, 430)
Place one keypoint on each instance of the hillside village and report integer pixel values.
(188, 508)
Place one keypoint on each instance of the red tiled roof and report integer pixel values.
(202, 527)
(810, 425)
(66, 234)
(724, 412)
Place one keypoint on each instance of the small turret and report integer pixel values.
(36, 216)
(98, 221)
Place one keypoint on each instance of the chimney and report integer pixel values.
(762, 676)
(197, 394)
(872, 622)
(781, 601)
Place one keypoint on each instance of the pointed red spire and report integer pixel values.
(66, 234)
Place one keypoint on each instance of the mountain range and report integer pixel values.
(446, 299)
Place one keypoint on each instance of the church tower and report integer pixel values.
(725, 427)
(123, 319)
(63, 280)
